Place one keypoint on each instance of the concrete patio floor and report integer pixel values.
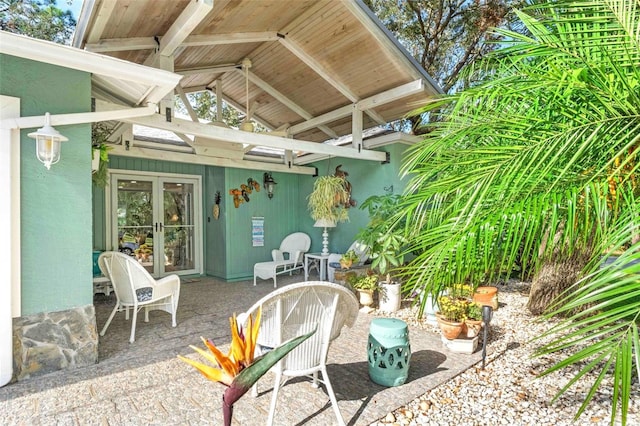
(144, 383)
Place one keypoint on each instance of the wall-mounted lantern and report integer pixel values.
(48, 143)
(269, 184)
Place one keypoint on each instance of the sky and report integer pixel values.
(75, 6)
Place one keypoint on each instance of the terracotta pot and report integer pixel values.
(346, 264)
(486, 296)
(450, 329)
(472, 327)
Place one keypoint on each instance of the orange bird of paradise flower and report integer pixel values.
(238, 370)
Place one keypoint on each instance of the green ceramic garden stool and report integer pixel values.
(388, 351)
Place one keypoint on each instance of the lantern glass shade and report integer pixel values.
(269, 184)
(48, 143)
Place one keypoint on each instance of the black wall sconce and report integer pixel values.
(269, 184)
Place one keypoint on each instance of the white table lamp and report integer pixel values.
(325, 223)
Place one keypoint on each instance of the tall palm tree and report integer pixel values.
(535, 164)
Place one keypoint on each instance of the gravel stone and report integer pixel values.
(510, 391)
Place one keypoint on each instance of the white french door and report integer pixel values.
(156, 219)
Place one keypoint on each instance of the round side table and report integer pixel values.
(388, 351)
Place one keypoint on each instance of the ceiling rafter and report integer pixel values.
(286, 101)
(189, 19)
(298, 51)
(106, 9)
(387, 96)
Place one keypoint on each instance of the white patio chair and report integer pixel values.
(361, 250)
(136, 288)
(297, 309)
(289, 257)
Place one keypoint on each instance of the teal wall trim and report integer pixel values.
(56, 225)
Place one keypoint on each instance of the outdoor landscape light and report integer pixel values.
(48, 143)
(487, 313)
(325, 223)
(269, 183)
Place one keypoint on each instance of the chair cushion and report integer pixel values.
(144, 293)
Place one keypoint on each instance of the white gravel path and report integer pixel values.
(509, 391)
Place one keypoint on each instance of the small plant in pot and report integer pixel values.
(454, 308)
(348, 258)
(365, 285)
(473, 319)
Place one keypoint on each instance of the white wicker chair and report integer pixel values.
(362, 251)
(297, 309)
(136, 288)
(287, 258)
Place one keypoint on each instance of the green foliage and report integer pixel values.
(363, 282)
(383, 234)
(534, 162)
(326, 199)
(38, 19)
(100, 133)
(349, 256)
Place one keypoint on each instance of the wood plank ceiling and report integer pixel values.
(319, 69)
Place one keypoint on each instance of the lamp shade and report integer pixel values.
(47, 143)
(324, 223)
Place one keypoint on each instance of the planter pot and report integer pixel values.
(430, 309)
(472, 327)
(450, 329)
(95, 160)
(366, 297)
(390, 297)
(486, 296)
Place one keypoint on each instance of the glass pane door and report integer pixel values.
(156, 220)
(179, 225)
(134, 211)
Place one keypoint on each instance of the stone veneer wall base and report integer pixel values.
(51, 341)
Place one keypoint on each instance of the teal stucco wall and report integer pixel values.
(56, 209)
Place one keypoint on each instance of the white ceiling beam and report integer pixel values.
(144, 43)
(104, 13)
(230, 38)
(180, 157)
(187, 104)
(367, 103)
(189, 19)
(121, 44)
(230, 135)
(78, 118)
(391, 138)
(286, 101)
(216, 69)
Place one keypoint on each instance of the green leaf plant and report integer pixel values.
(536, 161)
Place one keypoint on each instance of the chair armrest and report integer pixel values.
(277, 255)
(166, 286)
(334, 257)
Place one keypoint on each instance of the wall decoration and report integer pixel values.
(216, 206)
(241, 195)
(257, 231)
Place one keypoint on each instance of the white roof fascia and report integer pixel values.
(160, 82)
